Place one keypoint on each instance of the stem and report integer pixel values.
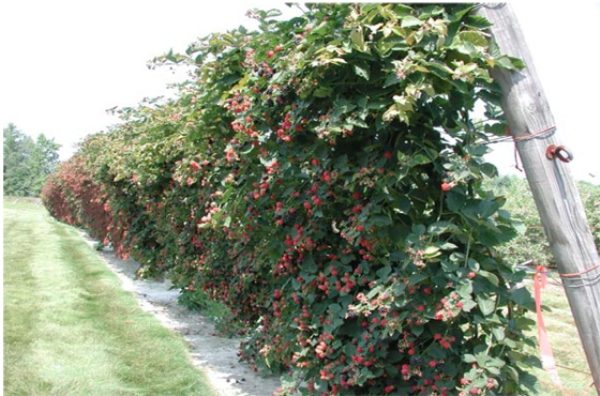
(439, 216)
(441, 207)
(468, 250)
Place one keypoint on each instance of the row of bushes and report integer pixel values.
(323, 177)
(531, 243)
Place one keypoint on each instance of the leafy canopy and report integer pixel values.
(323, 176)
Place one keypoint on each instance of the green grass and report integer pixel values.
(565, 343)
(69, 329)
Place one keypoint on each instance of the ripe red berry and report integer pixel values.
(278, 48)
(388, 389)
(270, 54)
(447, 186)
(388, 155)
(471, 275)
(194, 165)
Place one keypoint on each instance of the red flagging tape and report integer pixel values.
(547, 357)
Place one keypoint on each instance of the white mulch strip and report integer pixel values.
(216, 356)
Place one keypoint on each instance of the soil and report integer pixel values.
(216, 356)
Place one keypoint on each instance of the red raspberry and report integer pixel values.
(446, 186)
(195, 166)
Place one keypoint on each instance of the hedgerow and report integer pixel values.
(531, 243)
(322, 176)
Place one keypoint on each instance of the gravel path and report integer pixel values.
(214, 355)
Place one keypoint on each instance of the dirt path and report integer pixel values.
(216, 356)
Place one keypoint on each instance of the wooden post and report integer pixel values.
(553, 188)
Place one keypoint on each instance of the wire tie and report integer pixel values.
(576, 274)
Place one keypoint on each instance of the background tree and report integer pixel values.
(27, 162)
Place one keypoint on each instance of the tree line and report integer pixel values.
(27, 162)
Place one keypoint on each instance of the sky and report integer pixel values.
(64, 63)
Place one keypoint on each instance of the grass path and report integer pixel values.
(69, 329)
(566, 345)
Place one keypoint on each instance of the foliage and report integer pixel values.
(324, 178)
(27, 162)
(531, 243)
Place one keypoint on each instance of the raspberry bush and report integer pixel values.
(322, 176)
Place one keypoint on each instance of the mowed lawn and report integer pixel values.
(69, 329)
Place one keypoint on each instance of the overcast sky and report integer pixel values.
(63, 63)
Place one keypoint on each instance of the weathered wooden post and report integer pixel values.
(556, 196)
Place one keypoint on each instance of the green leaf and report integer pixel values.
(493, 279)
(469, 358)
(357, 38)
(455, 201)
(373, 292)
(486, 304)
(476, 38)
(384, 272)
(522, 297)
(520, 227)
(402, 205)
(410, 21)
(323, 92)
(419, 159)
(381, 220)
(517, 63)
(498, 332)
(468, 304)
(417, 330)
(362, 71)
(512, 373)
(390, 80)
(509, 63)
(478, 22)
(335, 309)
(431, 252)
(309, 264)
(399, 289)
(416, 279)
